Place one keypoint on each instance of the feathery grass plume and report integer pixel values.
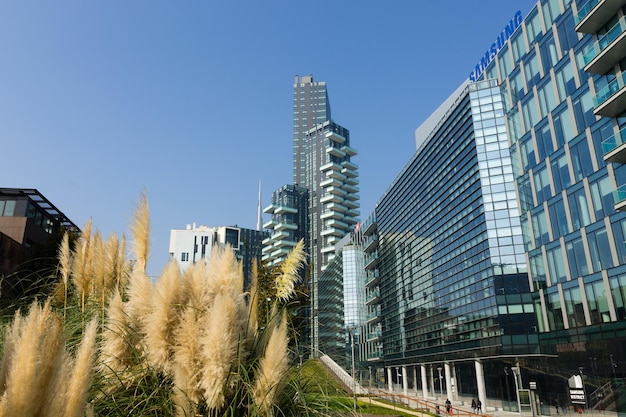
(122, 266)
(140, 232)
(219, 348)
(139, 292)
(27, 374)
(111, 253)
(65, 260)
(115, 349)
(289, 272)
(253, 302)
(165, 317)
(272, 368)
(10, 338)
(187, 366)
(185, 407)
(224, 274)
(80, 379)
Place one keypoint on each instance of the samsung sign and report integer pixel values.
(496, 46)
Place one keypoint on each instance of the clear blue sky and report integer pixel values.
(192, 101)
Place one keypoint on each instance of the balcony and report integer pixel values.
(335, 137)
(270, 224)
(369, 228)
(331, 150)
(375, 356)
(611, 100)
(337, 191)
(352, 197)
(371, 261)
(331, 166)
(348, 150)
(373, 278)
(336, 207)
(283, 234)
(595, 13)
(285, 209)
(336, 174)
(374, 335)
(330, 198)
(331, 214)
(371, 242)
(350, 165)
(284, 225)
(350, 188)
(331, 231)
(328, 249)
(373, 318)
(608, 50)
(619, 196)
(353, 213)
(330, 181)
(614, 148)
(336, 223)
(350, 204)
(350, 173)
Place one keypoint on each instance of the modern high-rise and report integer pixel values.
(497, 257)
(322, 164)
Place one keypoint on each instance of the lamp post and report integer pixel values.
(517, 374)
(351, 331)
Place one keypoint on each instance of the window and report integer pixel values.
(598, 302)
(554, 310)
(540, 228)
(563, 125)
(556, 263)
(9, 208)
(547, 97)
(602, 197)
(545, 146)
(558, 218)
(581, 159)
(565, 80)
(576, 257)
(583, 110)
(527, 150)
(600, 134)
(550, 11)
(184, 256)
(542, 184)
(533, 27)
(579, 208)
(560, 172)
(518, 46)
(618, 292)
(531, 70)
(504, 60)
(574, 307)
(600, 249)
(567, 35)
(531, 117)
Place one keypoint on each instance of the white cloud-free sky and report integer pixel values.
(191, 101)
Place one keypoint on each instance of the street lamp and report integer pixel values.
(351, 330)
(506, 382)
(582, 378)
(517, 375)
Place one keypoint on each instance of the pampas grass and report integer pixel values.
(185, 344)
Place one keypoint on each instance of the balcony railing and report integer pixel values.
(602, 44)
(615, 141)
(608, 91)
(584, 10)
(619, 195)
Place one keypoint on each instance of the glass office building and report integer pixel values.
(449, 264)
(561, 77)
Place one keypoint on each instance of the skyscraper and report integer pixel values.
(322, 164)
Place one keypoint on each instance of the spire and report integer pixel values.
(258, 219)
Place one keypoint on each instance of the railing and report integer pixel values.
(613, 142)
(619, 195)
(612, 88)
(584, 10)
(602, 43)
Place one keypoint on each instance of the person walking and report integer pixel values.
(479, 406)
(448, 406)
(557, 406)
(474, 405)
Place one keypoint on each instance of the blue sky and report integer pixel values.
(191, 101)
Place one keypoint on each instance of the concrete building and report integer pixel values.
(195, 244)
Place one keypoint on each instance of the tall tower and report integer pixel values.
(322, 164)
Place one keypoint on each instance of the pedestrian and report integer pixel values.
(564, 408)
(556, 405)
(448, 406)
(479, 406)
(474, 405)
